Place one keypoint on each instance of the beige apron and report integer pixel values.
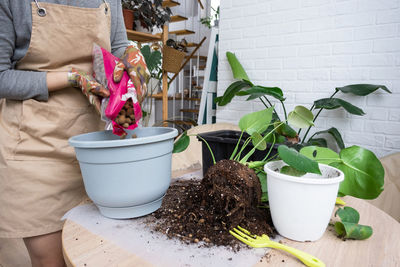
(40, 178)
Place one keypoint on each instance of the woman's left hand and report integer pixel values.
(133, 62)
(89, 86)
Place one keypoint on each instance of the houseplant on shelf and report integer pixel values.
(148, 14)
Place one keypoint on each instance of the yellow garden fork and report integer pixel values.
(263, 241)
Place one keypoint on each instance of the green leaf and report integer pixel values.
(291, 171)
(298, 161)
(264, 187)
(317, 142)
(230, 92)
(362, 89)
(364, 173)
(301, 117)
(237, 68)
(336, 135)
(348, 214)
(259, 91)
(320, 154)
(257, 121)
(334, 103)
(353, 230)
(256, 138)
(182, 143)
(285, 130)
(280, 139)
(152, 59)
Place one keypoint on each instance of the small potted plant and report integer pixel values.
(148, 14)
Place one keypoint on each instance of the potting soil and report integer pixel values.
(191, 227)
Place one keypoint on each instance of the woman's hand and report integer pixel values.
(89, 86)
(133, 62)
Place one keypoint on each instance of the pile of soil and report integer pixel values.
(205, 210)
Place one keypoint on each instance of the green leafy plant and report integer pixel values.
(348, 227)
(153, 59)
(364, 174)
(209, 20)
(300, 117)
(149, 13)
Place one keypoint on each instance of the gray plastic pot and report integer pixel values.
(126, 178)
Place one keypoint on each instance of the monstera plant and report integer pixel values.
(364, 174)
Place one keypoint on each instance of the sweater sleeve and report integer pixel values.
(16, 84)
(119, 39)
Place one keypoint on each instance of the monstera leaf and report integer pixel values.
(334, 103)
(257, 121)
(362, 89)
(301, 117)
(237, 68)
(259, 91)
(363, 172)
(230, 92)
(298, 161)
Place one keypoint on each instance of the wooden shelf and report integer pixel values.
(143, 36)
(192, 45)
(177, 18)
(195, 56)
(182, 32)
(190, 110)
(170, 3)
(189, 123)
(159, 97)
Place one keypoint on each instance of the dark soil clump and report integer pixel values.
(205, 210)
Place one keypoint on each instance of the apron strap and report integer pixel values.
(42, 11)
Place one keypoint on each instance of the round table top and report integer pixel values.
(84, 248)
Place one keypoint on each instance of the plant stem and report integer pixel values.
(316, 116)
(251, 152)
(271, 106)
(243, 147)
(284, 109)
(209, 148)
(237, 146)
(270, 149)
(265, 105)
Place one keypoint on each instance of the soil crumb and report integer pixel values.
(203, 211)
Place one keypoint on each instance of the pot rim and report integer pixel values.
(168, 133)
(304, 180)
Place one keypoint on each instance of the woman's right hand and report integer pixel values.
(89, 86)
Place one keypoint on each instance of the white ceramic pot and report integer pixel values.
(301, 207)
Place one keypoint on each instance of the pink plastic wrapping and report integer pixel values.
(103, 66)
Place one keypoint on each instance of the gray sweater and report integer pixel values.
(15, 35)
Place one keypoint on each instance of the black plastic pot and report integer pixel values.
(222, 144)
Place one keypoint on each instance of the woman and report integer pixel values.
(45, 51)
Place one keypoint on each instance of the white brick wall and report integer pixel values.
(309, 47)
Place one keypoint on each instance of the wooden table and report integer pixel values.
(382, 249)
